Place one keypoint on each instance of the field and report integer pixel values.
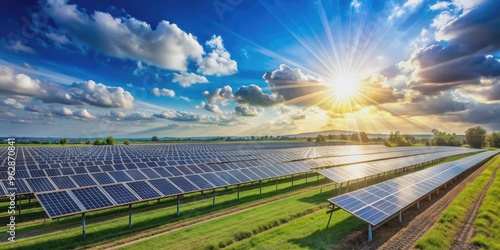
(285, 211)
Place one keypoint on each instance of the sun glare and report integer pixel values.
(345, 86)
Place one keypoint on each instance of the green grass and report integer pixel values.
(487, 223)
(443, 233)
(491, 148)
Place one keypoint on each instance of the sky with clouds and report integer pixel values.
(239, 68)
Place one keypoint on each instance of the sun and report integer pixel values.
(345, 86)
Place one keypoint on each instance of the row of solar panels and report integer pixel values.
(356, 171)
(187, 169)
(44, 184)
(62, 203)
(377, 203)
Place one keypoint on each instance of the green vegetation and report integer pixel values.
(126, 142)
(154, 138)
(475, 136)
(110, 140)
(493, 139)
(320, 138)
(444, 139)
(487, 223)
(442, 235)
(63, 141)
(396, 140)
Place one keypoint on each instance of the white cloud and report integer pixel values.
(356, 4)
(167, 46)
(245, 110)
(400, 10)
(218, 62)
(209, 107)
(19, 46)
(185, 98)
(221, 95)
(130, 85)
(163, 92)
(83, 114)
(57, 38)
(62, 111)
(79, 93)
(440, 5)
(10, 102)
(187, 79)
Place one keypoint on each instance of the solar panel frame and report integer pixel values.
(136, 175)
(120, 176)
(92, 198)
(165, 187)
(200, 181)
(103, 178)
(58, 204)
(215, 179)
(83, 180)
(120, 194)
(143, 190)
(63, 182)
(184, 184)
(42, 184)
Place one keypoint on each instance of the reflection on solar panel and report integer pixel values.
(120, 194)
(144, 190)
(227, 177)
(150, 173)
(240, 176)
(92, 198)
(120, 176)
(58, 203)
(136, 175)
(40, 184)
(102, 178)
(199, 181)
(184, 184)
(379, 202)
(215, 179)
(165, 187)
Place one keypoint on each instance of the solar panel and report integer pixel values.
(42, 184)
(216, 180)
(174, 171)
(52, 172)
(93, 169)
(376, 203)
(199, 181)
(227, 177)
(37, 173)
(184, 184)
(248, 172)
(184, 170)
(58, 204)
(136, 174)
(165, 187)
(2, 190)
(67, 171)
(240, 176)
(144, 190)
(91, 198)
(80, 170)
(63, 182)
(120, 194)
(103, 178)
(120, 176)
(162, 172)
(150, 173)
(19, 186)
(83, 180)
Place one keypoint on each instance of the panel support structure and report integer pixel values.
(400, 216)
(129, 216)
(178, 205)
(238, 191)
(370, 234)
(83, 225)
(260, 183)
(292, 180)
(276, 184)
(213, 197)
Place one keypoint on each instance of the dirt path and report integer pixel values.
(393, 235)
(463, 241)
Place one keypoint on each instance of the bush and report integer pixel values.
(110, 140)
(126, 142)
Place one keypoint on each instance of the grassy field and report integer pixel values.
(442, 235)
(487, 223)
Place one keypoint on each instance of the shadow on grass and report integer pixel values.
(331, 237)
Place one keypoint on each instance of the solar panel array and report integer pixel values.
(362, 170)
(377, 203)
(153, 171)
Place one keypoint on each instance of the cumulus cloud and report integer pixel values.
(376, 90)
(221, 95)
(427, 105)
(218, 62)
(464, 54)
(83, 113)
(296, 87)
(253, 95)
(478, 113)
(10, 102)
(245, 110)
(187, 79)
(18, 46)
(163, 92)
(185, 98)
(209, 107)
(79, 93)
(62, 111)
(167, 46)
(35, 109)
(131, 116)
(181, 116)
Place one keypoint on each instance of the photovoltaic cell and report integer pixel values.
(174, 171)
(150, 173)
(216, 180)
(199, 181)
(120, 194)
(165, 187)
(161, 171)
(227, 177)
(240, 176)
(144, 191)
(20, 186)
(136, 175)
(52, 172)
(58, 203)
(2, 191)
(184, 184)
(120, 176)
(91, 198)
(40, 184)
(103, 178)
(83, 180)
(63, 182)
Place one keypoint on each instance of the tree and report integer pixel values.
(320, 138)
(309, 139)
(88, 142)
(98, 141)
(126, 142)
(330, 137)
(396, 139)
(110, 140)
(494, 139)
(363, 136)
(355, 137)
(475, 136)
(154, 138)
(343, 137)
(63, 141)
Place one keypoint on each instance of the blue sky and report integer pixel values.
(238, 67)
